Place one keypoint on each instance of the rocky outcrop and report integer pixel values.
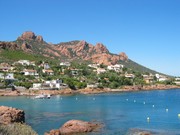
(10, 115)
(9, 45)
(26, 47)
(123, 56)
(29, 35)
(83, 50)
(74, 127)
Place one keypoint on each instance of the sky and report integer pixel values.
(148, 31)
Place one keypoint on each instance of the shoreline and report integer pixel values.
(87, 91)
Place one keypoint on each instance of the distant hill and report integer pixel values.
(33, 47)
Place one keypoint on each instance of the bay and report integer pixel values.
(120, 113)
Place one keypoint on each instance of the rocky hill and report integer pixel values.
(30, 43)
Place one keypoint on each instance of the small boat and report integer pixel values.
(43, 96)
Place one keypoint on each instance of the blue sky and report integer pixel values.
(148, 31)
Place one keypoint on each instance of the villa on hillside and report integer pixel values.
(50, 85)
(30, 72)
(100, 70)
(8, 76)
(48, 71)
(25, 62)
(94, 65)
(5, 67)
(65, 64)
(148, 78)
(161, 78)
(116, 67)
(131, 76)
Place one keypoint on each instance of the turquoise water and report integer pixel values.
(120, 112)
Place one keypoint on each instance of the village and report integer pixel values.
(25, 74)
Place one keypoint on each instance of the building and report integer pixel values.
(116, 67)
(7, 76)
(30, 72)
(50, 85)
(65, 64)
(48, 71)
(100, 70)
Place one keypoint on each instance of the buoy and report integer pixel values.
(152, 105)
(167, 110)
(126, 99)
(144, 103)
(134, 101)
(179, 115)
(148, 119)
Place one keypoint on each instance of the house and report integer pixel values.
(65, 64)
(5, 67)
(48, 71)
(74, 72)
(131, 76)
(148, 78)
(25, 62)
(116, 67)
(100, 70)
(50, 85)
(30, 72)
(8, 76)
(37, 85)
(91, 86)
(94, 65)
(161, 78)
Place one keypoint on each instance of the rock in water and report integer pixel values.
(74, 127)
(10, 115)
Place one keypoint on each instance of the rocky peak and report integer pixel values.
(29, 35)
(123, 56)
(100, 48)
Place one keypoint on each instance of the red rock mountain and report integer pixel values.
(73, 50)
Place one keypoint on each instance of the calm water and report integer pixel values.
(120, 112)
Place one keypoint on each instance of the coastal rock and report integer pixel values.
(74, 127)
(10, 115)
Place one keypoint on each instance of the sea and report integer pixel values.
(122, 113)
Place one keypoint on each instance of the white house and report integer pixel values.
(101, 70)
(9, 76)
(48, 71)
(129, 76)
(26, 62)
(37, 85)
(53, 84)
(65, 64)
(116, 67)
(94, 65)
(30, 72)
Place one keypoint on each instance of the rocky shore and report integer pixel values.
(76, 126)
(12, 122)
(87, 90)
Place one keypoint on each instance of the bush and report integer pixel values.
(16, 129)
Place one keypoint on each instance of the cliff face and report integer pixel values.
(83, 50)
(73, 50)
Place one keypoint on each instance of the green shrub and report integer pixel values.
(16, 129)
